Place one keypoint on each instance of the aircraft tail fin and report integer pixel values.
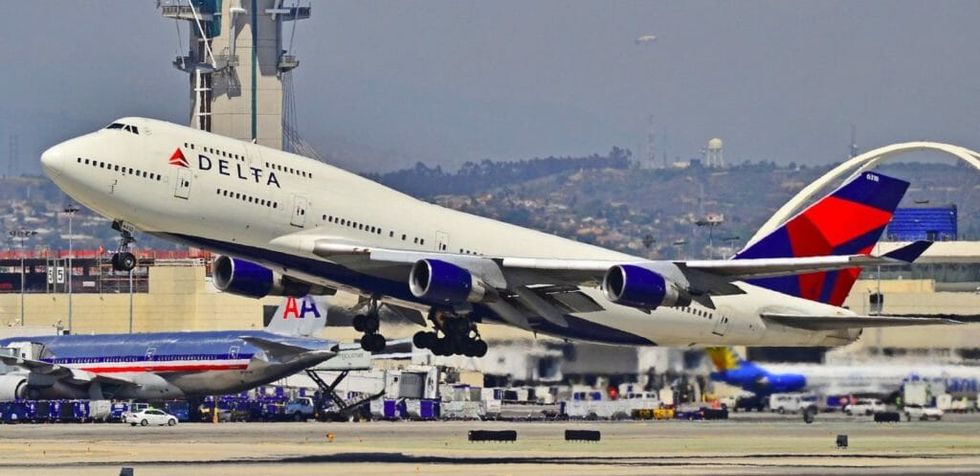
(303, 316)
(724, 358)
(849, 220)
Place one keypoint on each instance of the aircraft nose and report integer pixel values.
(53, 160)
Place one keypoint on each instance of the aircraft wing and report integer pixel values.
(528, 282)
(503, 272)
(36, 366)
(389, 344)
(285, 352)
(829, 323)
(735, 270)
(61, 372)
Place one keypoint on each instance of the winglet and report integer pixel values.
(910, 252)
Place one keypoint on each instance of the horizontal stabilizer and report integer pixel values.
(910, 252)
(830, 323)
(284, 352)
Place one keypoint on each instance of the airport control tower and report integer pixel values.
(237, 64)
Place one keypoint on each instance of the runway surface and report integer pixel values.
(745, 445)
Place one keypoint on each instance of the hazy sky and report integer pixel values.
(450, 81)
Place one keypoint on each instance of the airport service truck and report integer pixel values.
(791, 402)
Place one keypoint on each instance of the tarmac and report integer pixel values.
(746, 444)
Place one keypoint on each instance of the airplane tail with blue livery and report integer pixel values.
(848, 221)
(733, 370)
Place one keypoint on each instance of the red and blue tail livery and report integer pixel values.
(848, 221)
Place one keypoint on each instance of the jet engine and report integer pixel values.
(13, 387)
(236, 276)
(438, 281)
(635, 286)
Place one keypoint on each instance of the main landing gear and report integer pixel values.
(123, 259)
(459, 336)
(369, 323)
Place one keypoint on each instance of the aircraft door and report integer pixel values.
(721, 324)
(442, 241)
(300, 204)
(183, 187)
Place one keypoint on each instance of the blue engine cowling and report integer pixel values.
(636, 286)
(441, 282)
(237, 276)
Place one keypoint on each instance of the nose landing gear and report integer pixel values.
(123, 259)
(369, 323)
(459, 336)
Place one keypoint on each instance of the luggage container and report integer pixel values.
(462, 410)
(81, 410)
(421, 409)
(117, 409)
(42, 411)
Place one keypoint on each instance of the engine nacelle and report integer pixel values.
(236, 276)
(438, 281)
(636, 286)
(13, 387)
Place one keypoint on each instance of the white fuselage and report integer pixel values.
(879, 377)
(235, 198)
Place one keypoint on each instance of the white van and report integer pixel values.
(791, 402)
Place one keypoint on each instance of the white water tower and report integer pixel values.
(715, 157)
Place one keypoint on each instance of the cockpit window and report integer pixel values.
(126, 127)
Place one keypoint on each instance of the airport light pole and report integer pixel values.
(131, 301)
(22, 234)
(70, 210)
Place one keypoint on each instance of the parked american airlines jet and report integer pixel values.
(164, 365)
(289, 225)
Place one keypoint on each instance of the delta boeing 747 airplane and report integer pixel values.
(289, 225)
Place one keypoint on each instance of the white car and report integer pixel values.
(922, 413)
(865, 406)
(149, 416)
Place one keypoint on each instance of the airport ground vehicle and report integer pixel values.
(300, 409)
(149, 416)
(791, 402)
(921, 412)
(865, 406)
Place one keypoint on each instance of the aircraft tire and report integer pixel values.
(424, 339)
(441, 347)
(480, 348)
(474, 348)
(358, 323)
(124, 261)
(375, 342)
(371, 324)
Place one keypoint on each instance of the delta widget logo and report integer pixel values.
(179, 160)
